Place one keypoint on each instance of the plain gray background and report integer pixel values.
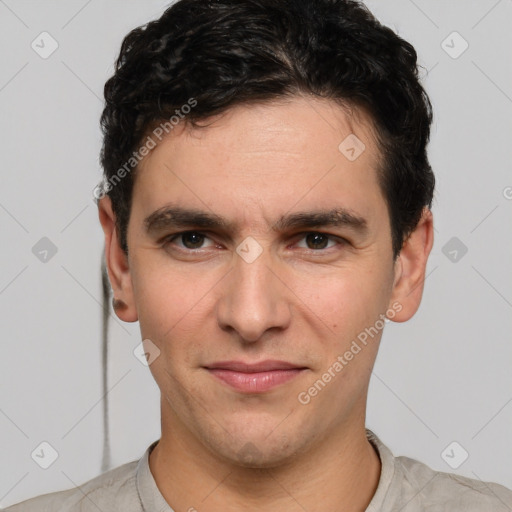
(442, 377)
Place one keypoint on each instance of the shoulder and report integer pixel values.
(113, 490)
(409, 485)
(437, 490)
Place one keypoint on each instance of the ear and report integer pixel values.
(410, 268)
(117, 263)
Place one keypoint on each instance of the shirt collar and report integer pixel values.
(387, 472)
(152, 500)
(150, 496)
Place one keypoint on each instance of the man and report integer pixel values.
(266, 203)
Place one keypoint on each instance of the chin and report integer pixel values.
(257, 451)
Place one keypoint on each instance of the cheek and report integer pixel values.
(346, 302)
(350, 305)
(167, 300)
(176, 309)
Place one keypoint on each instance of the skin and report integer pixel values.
(296, 302)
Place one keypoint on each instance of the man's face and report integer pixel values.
(259, 289)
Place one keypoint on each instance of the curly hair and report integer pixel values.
(223, 53)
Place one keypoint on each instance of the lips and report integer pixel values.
(254, 377)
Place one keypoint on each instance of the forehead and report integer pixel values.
(258, 160)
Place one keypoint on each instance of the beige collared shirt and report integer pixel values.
(405, 485)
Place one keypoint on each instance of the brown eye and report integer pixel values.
(188, 241)
(317, 240)
(192, 239)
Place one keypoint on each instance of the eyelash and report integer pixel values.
(340, 241)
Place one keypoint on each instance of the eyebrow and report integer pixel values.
(179, 217)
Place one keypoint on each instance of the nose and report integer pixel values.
(254, 299)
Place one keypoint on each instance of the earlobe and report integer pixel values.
(117, 264)
(410, 268)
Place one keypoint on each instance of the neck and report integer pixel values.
(344, 470)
